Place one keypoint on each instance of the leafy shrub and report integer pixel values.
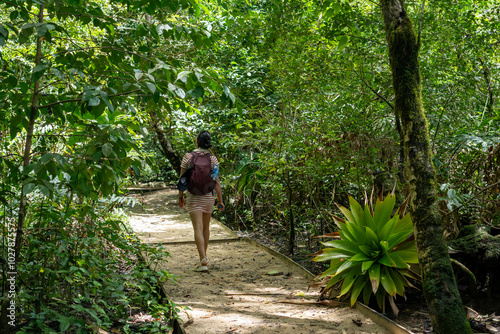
(372, 252)
(84, 270)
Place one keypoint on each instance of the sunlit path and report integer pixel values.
(237, 295)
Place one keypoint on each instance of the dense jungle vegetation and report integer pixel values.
(301, 98)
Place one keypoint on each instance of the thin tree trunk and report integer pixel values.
(487, 78)
(26, 160)
(291, 242)
(439, 286)
(168, 151)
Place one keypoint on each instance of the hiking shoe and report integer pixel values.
(199, 267)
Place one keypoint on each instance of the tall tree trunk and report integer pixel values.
(487, 78)
(439, 286)
(26, 160)
(168, 151)
(291, 241)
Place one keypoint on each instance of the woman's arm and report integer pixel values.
(218, 191)
(182, 201)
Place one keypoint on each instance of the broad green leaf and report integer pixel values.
(387, 282)
(360, 257)
(368, 218)
(380, 295)
(343, 244)
(4, 33)
(387, 260)
(357, 212)
(182, 76)
(398, 238)
(332, 270)
(357, 232)
(151, 86)
(28, 169)
(105, 98)
(366, 265)
(41, 30)
(60, 75)
(347, 264)
(107, 149)
(38, 71)
(367, 292)
(342, 42)
(404, 223)
(399, 282)
(197, 92)
(383, 213)
(367, 250)
(94, 101)
(406, 246)
(46, 158)
(64, 323)
(347, 283)
(346, 235)
(374, 273)
(44, 190)
(328, 255)
(347, 214)
(407, 256)
(358, 286)
(106, 188)
(388, 228)
(371, 236)
(335, 279)
(29, 187)
(400, 262)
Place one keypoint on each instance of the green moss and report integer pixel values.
(475, 241)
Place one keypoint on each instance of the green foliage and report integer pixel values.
(80, 265)
(372, 253)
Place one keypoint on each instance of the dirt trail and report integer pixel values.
(237, 295)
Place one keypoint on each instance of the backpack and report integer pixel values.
(200, 182)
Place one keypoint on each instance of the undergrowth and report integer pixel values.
(81, 269)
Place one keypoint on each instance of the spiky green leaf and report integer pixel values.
(358, 286)
(366, 265)
(387, 260)
(399, 282)
(400, 262)
(374, 273)
(360, 257)
(344, 245)
(387, 282)
(357, 212)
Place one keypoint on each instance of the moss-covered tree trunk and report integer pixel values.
(439, 286)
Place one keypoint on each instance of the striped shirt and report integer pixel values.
(204, 203)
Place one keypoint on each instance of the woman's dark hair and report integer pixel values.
(204, 140)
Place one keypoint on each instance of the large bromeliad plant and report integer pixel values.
(371, 253)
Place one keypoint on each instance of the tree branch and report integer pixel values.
(78, 100)
(474, 197)
(420, 23)
(373, 90)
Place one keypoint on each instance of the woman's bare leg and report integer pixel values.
(199, 238)
(206, 229)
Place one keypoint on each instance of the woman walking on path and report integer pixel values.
(200, 207)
